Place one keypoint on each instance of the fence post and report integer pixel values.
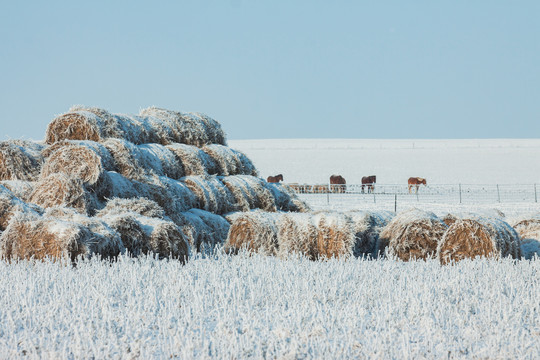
(395, 203)
(374, 199)
(535, 196)
(328, 195)
(498, 193)
(460, 193)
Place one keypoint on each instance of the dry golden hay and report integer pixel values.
(335, 235)
(256, 231)
(10, 204)
(528, 226)
(230, 161)
(39, 237)
(286, 199)
(250, 193)
(20, 188)
(79, 125)
(205, 230)
(297, 233)
(99, 149)
(62, 190)
(412, 234)
(194, 161)
(211, 194)
(478, 237)
(367, 225)
(20, 160)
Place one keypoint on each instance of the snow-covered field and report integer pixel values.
(263, 307)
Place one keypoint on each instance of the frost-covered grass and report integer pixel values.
(263, 307)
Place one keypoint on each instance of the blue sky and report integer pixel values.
(279, 69)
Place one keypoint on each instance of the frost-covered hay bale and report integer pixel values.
(131, 233)
(20, 160)
(367, 225)
(482, 237)
(211, 194)
(229, 161)
(449, 219)
(20, 188)
(412, 234)
(168, 125)
(250, 193)
(164, 238)
(161, 160)
(34, 236)
(77, 125)
(209, 231)
(180, 196)
(297, 233)
(127, 158)
(286, 199)
(527, 226)
(140, 206)
(335, 235)
(194, 161)
(62, 190)
(256, 231)
(10, 204)
(120, 187)
(214, 132)
(98, 148)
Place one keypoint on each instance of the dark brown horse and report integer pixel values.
(369, 181)
(416, 182)
(274, 179)
(337, 184)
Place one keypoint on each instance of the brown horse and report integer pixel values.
(416, 182)
(369, 181)
(337, 184)
(274, 179)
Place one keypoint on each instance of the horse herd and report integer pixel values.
(339, 185)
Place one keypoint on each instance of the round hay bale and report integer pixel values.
(164, 238)
(412, 234)
(168, 125)
(127, 159)
(20, 160)
(140, 206)
(120, 187)
(131, 233)
(62, 190)
(20, 188)
(213, 129)
(161, 160)
(99, 149)
(193, 160)
(10, 204)
(180, 196)
(367, 225)
(211, 194)
(469, 238)
(229, 161)
(527, 226)
(78, 125)
(297, 233)
(249, 193)
(449, 219)
(286, 199)
(256, 231)
(205, 230)
(335, 236)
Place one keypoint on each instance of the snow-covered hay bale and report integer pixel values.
(62, 190)
(181, 197)
(20, 160)
(20, 188)
(10, 204)
(286, 199)
(127, 158)
(367, 225)
(205, 230)
(34, 236)
(77, 125)
(478, 237)
(297, 233)
(140, 206)
(131, 232)
(161, 160)
(194, 161)
(250, 193)
(211, 194)
(335, 235)
(449, 219)
(413, 234)
(527, 226)
(230, 161)
(165, 238)
(214, 132)
(255, 231)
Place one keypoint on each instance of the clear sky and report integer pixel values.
(279, 69)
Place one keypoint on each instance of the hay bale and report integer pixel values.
(211, 194)
(193, 160)
(286, 199)
(179, 195)
(367, 225)
(62, 190)
(140, 206)
(10, 204)
(205, 230)
(213, 129)
(249, 193)
(20, 160)
(164, 238)
(256, 231)
(527, 226)
(20, 188)
(131, 232)
(335, 235)
(478, 236)
(297, 233)
(38, 237)
(230, 161)
(77, 125)
(449, 219)
(127, 159)
(161, 160)
(99, 149)
(412, 234)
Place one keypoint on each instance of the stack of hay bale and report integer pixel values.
(158, 182)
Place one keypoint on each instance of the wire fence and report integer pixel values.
(443, 194)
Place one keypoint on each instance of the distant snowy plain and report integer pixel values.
(262, 307)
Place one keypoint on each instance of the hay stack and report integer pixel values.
(412, 234)
(10, 204)
(250, 193)
(20, 160)
(229, 161)
(211, 194)
(367, 225)
(193, 160)
(62, 190)
(478, 236)
(205, 230)
(255, 231)
(20, 188)
(34, 236)
(297, 233)
(286, 199)
(335, 235)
